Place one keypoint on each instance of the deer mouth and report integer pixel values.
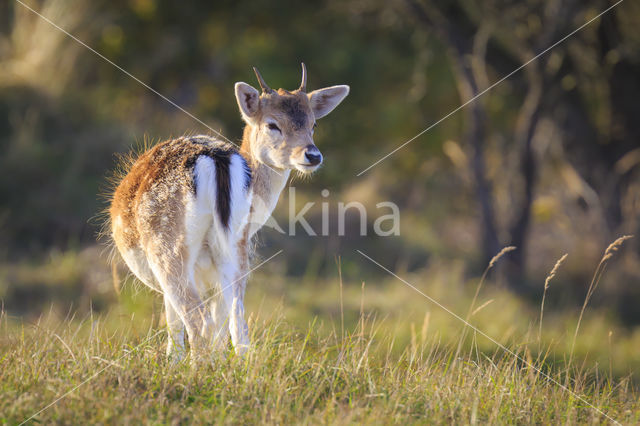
(307, 168)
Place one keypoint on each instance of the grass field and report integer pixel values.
(326, 350)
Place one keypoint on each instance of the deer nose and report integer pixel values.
(313, 155)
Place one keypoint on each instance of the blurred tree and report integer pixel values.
(499, 34)
(467, 53)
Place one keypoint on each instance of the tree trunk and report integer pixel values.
(526, 125)
(460, 52)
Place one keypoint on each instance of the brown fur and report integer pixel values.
(296, 106)
(294, 116)
(154, 191)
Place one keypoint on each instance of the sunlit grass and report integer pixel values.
(393, 361)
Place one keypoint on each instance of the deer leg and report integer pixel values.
(221, 320)
(196, 316)
(181, 294)
(207, 278)
(233, 294)
(175, 328)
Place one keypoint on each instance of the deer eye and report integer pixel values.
(274, 126)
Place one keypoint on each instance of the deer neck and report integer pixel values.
(267, 182)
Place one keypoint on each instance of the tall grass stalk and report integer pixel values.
(492, 263)
(547, 281)
(608, 254)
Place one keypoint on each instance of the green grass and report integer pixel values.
(392, 361)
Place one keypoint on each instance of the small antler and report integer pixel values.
(303, 84)
(263, 84)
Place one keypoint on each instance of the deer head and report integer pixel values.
(280, 123)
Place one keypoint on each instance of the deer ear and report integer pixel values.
(323, 101)
(248, 100)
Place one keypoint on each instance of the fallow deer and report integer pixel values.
(184, 215)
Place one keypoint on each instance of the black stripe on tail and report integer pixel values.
(223, 182)
(220, 153)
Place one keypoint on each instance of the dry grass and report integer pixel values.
(310, 376)
(471, 311)
(547, 281)
(326, 350)
(608, 254)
